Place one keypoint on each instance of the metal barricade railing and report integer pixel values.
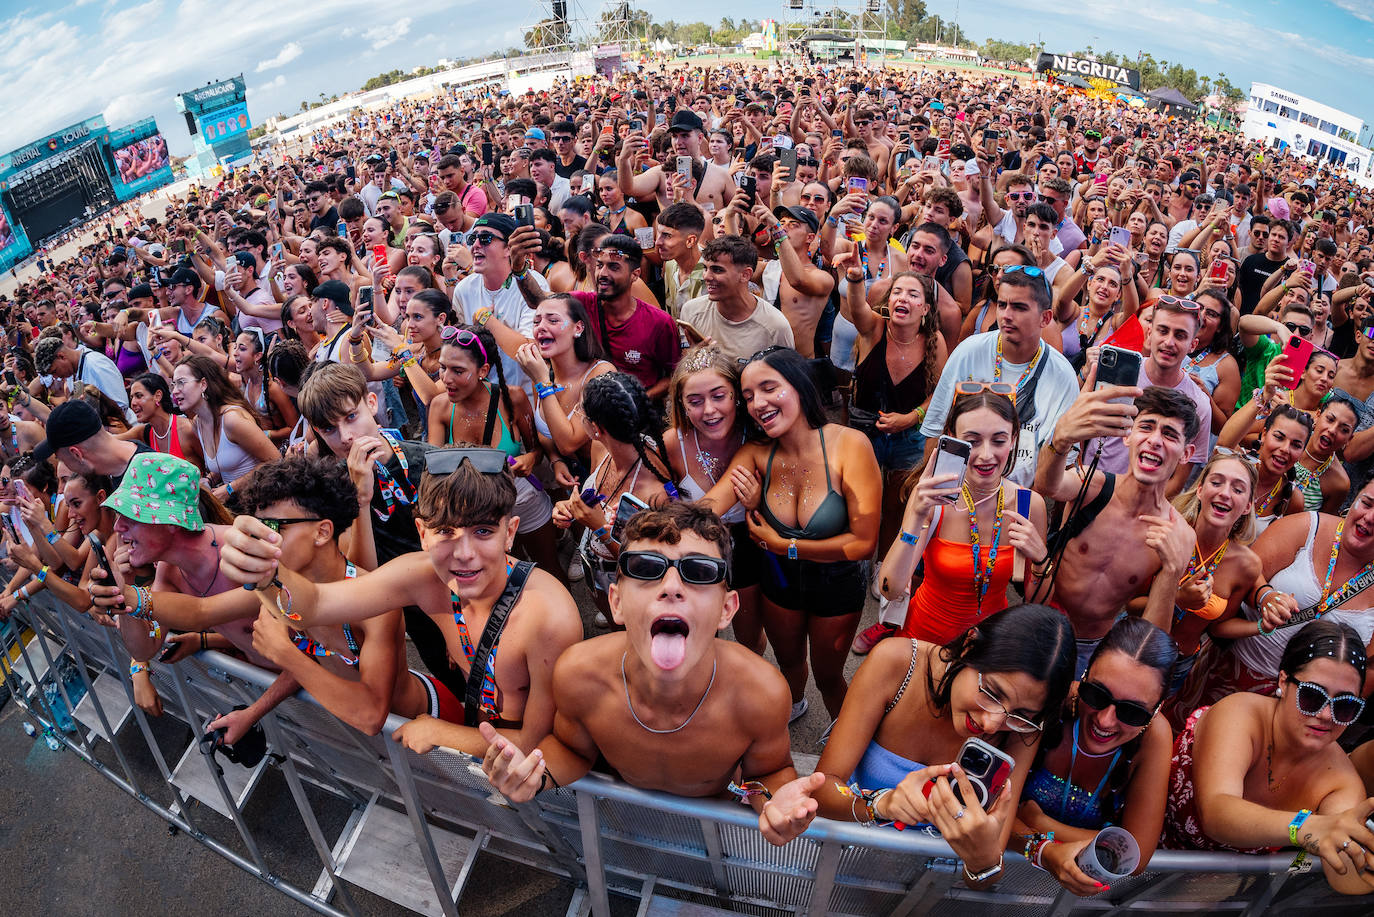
(418, 822)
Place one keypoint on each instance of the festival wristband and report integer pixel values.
(906, 537)
(1297, 823)
(51, 537)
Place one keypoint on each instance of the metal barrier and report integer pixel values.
(417, 822)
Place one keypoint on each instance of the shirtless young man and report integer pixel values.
(1355, 377)
(667, 703)
(715, 189)
(1100, 569)
(805, 288)
(356, 670)
(464, 575)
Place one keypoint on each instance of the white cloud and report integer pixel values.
(1360, 9)
(289, 52)
(277, 83)
(383, 35)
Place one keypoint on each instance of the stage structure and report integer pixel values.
(70, 176)
(855, 30)
(217, 117)
(555, 26)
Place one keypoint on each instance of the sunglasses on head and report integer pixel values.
(1310, 698)
(463, 337)
(1092, 135)
(1129, 712)
(446, 461)
(971, 387)
(1178, 302)
(694, 569)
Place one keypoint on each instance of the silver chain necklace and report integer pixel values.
(664, 732)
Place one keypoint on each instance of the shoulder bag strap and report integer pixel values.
(500, 613)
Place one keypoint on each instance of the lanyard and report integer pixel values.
(1068, 781)
(312, 647)
(392, 491)
(997, 364)
(488, 702)
(1330, 600)
(982, 578)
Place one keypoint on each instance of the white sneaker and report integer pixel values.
(798, 711)
(576, 572)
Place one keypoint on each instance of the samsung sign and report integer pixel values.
(1088, 69)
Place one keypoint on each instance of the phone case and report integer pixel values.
(1297, 353)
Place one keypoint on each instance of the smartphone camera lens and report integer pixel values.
(977, 760)
(1107, 358)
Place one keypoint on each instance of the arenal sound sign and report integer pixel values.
(1088, 69)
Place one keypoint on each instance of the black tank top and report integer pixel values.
(874, 389)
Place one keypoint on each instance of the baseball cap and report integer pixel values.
(500, 222)
(245, 259)
(536, 133)
(337, 292)
(183, 275)
(801, 214)
(686, 120)
(70, 423)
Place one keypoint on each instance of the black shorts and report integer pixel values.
(826, 589)
(746, 558)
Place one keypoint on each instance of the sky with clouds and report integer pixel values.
(127, 59)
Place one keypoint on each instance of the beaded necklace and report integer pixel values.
(997, 364)
(982, 577)
(1331, 600)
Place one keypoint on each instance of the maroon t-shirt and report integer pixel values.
(645, 346)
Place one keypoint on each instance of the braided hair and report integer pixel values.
(618, 403)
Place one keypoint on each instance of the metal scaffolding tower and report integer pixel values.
(555, 25)
(858, 24)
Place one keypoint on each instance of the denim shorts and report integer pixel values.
(894, 451)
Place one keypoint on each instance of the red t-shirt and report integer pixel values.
(645, 346)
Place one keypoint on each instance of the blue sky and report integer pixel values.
(128, 58)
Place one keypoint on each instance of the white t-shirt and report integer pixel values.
(765, 327)
(1181, 229)
(506, 304)
(974, 359)
(99, 370)
(370, 194)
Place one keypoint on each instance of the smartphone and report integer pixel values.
(857, 183)
(749, 187)
(689, 331)
(988, 769)
(1118, 366)
(788, 158)
(524, 215)
(990, 138)
(20, 490)
(351, 173)
(951, 457)
(364, 298)
(1219, 271)
(341, 229)
(1119, 235)
(625, 510)
(103, 561)
(837, 133)
(179, 246)
(379, 257)
(456, 238)
(636, 124)
(488, 153)
(1307, 267)
(660, 118)
(1296, 354)
(10, 379)
(684, 166)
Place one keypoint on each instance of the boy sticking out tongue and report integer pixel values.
(668, 704)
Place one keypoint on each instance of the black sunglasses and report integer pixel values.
(695, 569)
(485, 238)
(1345, 708)
(1129, 712)
(1301, 331)
(276, 524)
(446, 461)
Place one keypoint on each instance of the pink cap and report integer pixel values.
(1279, 207)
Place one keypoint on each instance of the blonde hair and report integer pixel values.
(1189, 505)
(694, 360)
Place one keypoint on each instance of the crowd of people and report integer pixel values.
(1081, 398)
